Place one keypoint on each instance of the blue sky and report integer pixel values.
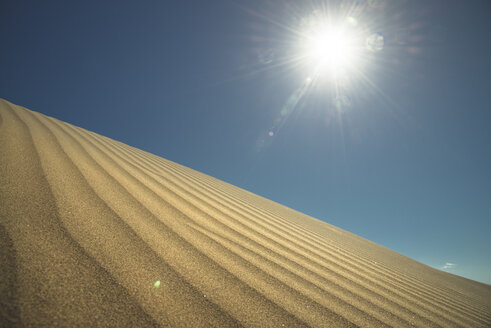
(397, 149)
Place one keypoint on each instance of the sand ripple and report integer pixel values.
(88, 226)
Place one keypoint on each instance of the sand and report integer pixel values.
(95, 233)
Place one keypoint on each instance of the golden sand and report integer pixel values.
(95, 233)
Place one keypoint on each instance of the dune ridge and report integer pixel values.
(89, 224)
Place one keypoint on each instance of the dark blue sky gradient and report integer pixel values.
(406, 163)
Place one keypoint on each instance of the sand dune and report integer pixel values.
(88, 226)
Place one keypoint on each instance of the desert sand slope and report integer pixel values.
(88, 226)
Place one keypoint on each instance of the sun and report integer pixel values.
(331, 48)
(333, 51)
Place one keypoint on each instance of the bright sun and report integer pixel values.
(331, 48)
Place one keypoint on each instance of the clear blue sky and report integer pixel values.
(401, 155)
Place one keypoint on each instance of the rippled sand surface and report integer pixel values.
(95, 233)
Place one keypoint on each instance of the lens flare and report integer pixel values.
(375, 42)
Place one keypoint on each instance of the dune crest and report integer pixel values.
(95, 233)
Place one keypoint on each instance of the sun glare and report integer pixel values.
(331, 48)
(334, 50)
